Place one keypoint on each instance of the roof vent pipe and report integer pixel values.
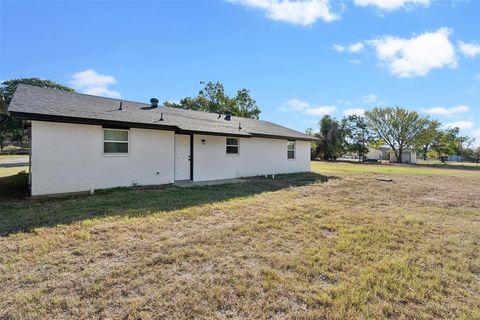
(154, 102)
(120, 108)
(228, 115)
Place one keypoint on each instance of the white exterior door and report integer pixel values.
(182, 157)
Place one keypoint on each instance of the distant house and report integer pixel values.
(378, 154)
(408, 156)
(455, 157)
(79, 142)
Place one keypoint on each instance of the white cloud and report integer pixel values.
(306, 108)
(320, 110)
(370, 98)
(294, 105)
(102, 91)
(390, 5)
(418, 55)
(301, 12)
(356, 47)
(352, 48)
(91, 82)
(91, 78)
(460, 124)
(354, 111)
(469, 49)
(449, 112)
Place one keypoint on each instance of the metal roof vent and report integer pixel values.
(154, 102)
(228, 115)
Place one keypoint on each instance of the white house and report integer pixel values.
(81, 141)
(408, 156)
(378, 154)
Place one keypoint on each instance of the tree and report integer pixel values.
(332, 135)
(12, 129)
(357, 135)
(398, 127)
(477, 154)
(314, 144)
(212, 98)
(426, 141)
(450, 142)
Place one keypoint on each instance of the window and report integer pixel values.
(115, 141)
(232, 146)
(291, 149)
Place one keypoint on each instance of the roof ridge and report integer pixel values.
(41, 102)
(79, 93)
(121, 100)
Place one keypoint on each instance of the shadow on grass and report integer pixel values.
(13, 187)
(13, 164)
(27, 214)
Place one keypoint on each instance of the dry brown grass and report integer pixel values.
(352, 247)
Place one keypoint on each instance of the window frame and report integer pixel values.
(116, 154)
(232, 145)
(294, 149)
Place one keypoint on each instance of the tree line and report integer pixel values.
(398, 128)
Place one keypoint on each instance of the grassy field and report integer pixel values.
(449, 164)
(333, 244)
(7, 157)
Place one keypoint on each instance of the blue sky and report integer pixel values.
(300, 59)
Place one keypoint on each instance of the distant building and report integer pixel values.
(455, 157)
(408, 156)
(378, 154)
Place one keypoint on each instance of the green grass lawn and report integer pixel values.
(348, 167)
(450, 164)
(10, 171)
(334, 244)
(5, 157)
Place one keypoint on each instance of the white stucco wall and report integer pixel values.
(258, 156)
(407, 157)
(69, 158)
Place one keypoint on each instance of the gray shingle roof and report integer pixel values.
(37, 103)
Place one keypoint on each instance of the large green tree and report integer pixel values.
(332, 135)
(314, 144)
(450, 142)
(398, 127)
(425, 143)
(11, 130)
(357, 135)
(212, 98)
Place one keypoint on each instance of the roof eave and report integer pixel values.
(90, 121)
(125, 124)
(258, 135)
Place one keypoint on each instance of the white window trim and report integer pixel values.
(115, 154)
(294, 150)
(232, 145)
